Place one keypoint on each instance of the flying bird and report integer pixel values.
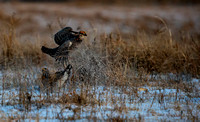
(67, 41)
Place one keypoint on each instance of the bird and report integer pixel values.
(55, 80)
(67, 41)
(66, 34)
(60, 53)
(63, 33)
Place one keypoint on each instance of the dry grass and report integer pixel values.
(110, 57)
(109, 60)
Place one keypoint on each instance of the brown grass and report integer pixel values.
(155, 53)
(125, 64)
(15, 52)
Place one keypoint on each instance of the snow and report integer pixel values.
(144, 109)
(146, 104)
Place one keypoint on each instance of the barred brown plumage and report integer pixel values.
(56, 79)
(45, 76)
(67, 41)
(60, 53)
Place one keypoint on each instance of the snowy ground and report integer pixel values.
(146, 103)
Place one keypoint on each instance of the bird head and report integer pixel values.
(45, 72)
(82, 33)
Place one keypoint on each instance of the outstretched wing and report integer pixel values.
(61, 35)
(62, 51)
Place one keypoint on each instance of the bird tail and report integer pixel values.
(49, 51)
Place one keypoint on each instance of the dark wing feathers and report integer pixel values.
(61, 35)
(67, 40)
(62, 51)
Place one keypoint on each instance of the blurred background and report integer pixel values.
(43, 18)
(118, 1)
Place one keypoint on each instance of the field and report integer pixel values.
(138, 63)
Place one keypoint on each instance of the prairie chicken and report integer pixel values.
(57, 79)
(67, 40)
(67, 34)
